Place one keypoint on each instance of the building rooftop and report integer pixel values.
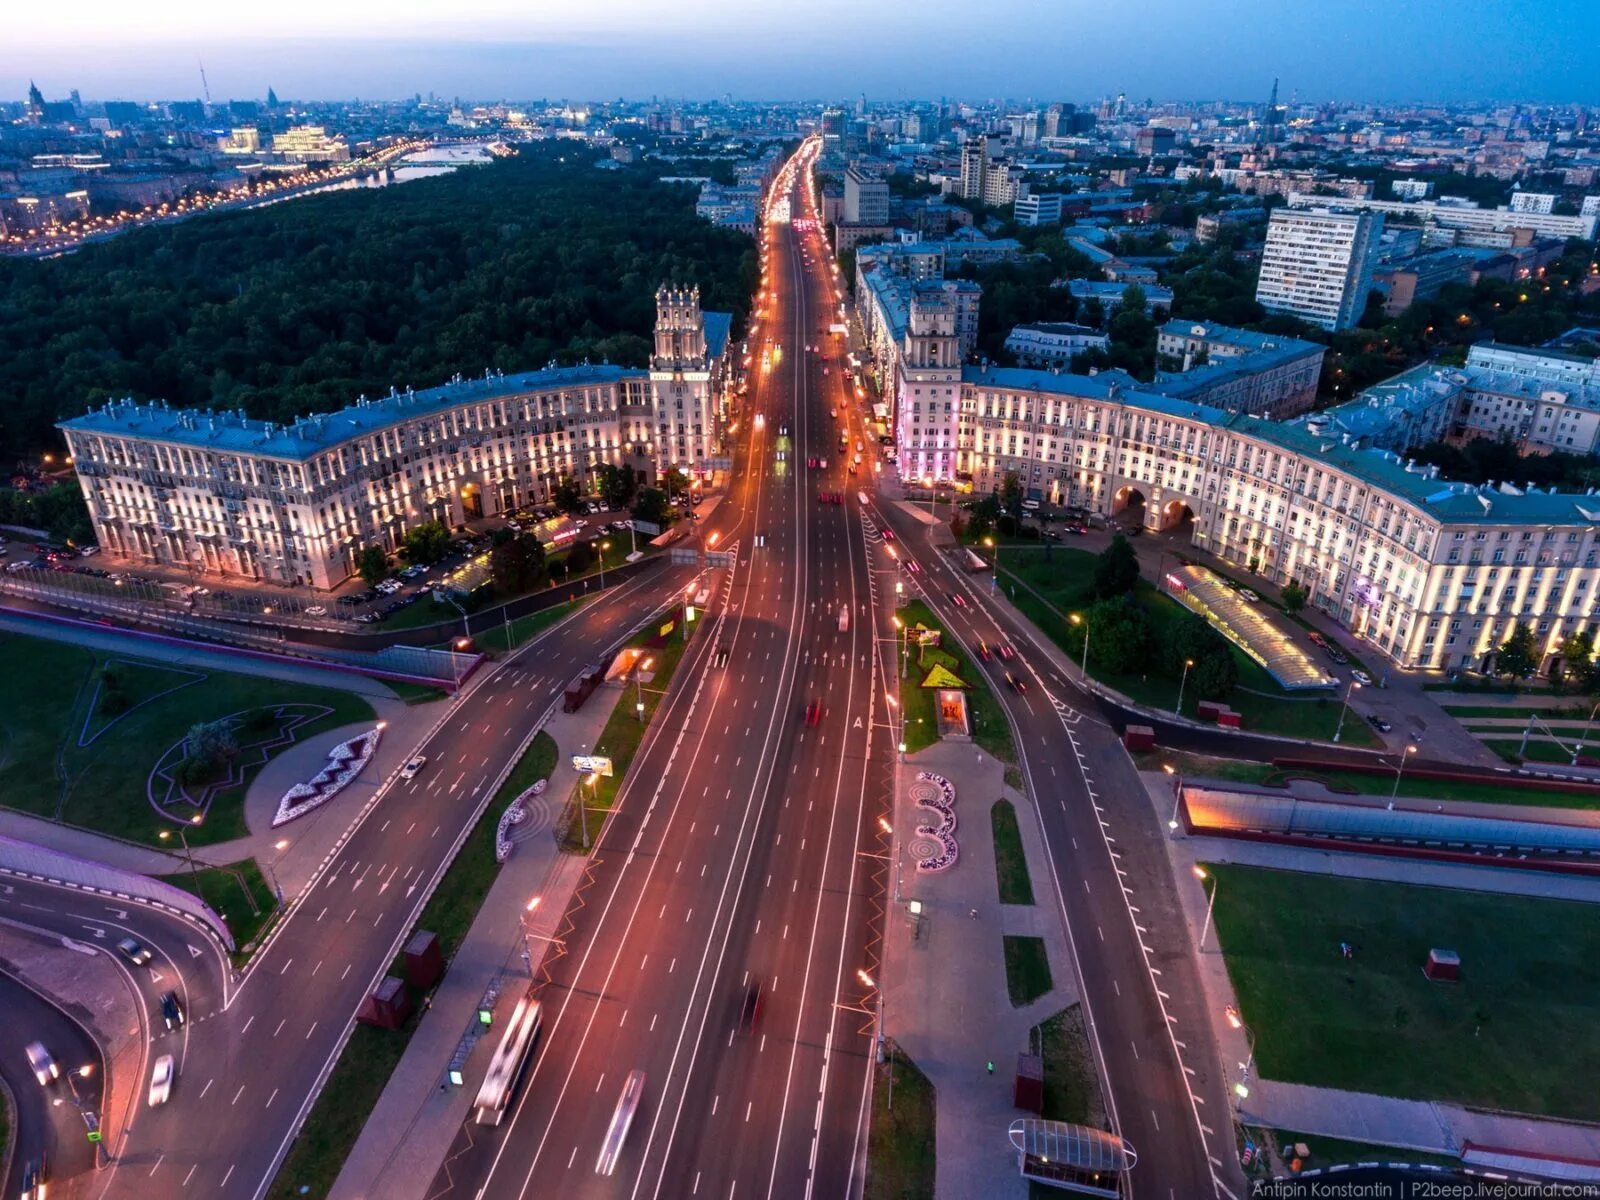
(234, 432)
(1451, 502)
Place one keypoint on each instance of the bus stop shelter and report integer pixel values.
(1073, 1158)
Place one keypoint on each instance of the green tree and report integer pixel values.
(518, 565)
(1116, 571)
(580, 558)
(984, 515)
(651, 506)
(1192, 640)
(569, 495)
(1294, 598)
(1518, 656)
(617, 485)
(1011, 493)
(1119, 632)
(1577, 657)
(207, 747)
(113, 690)
(372, 564)
(426, 543)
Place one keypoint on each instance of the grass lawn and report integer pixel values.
(240, 893)
(1071, 1091)
(990, 730)
(1010, 863)
(1027, 970)
(1335, 1152)
(623, 734)
(900, 1144)
(371, 1055)
(1064, 586)
(1518, 1032)
(1486, 792)
(1520, 712)
(49, 685)
(414, 693)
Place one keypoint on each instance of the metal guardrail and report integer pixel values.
(27, 861)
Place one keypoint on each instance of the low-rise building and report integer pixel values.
(1109, 295)
(1053, 342)
(1239, 370)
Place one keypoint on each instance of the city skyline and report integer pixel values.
(1367, 52)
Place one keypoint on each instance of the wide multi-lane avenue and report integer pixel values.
(718, 950)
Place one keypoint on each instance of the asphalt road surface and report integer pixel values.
(736, 858)
(49, 1120)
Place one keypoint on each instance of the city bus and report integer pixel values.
(621, 1120)
(507, 1066)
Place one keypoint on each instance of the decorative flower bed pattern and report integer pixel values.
(345, 762)
(935, 845)
(514, 814)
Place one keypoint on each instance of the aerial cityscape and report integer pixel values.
(731, 601)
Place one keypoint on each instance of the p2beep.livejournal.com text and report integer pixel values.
(1334, 1188)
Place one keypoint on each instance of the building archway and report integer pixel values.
(1127, 506)
(1177, 518)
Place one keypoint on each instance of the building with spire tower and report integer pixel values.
(686, 379)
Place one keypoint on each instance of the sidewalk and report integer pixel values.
(416, 1119)
(945, 1000)
(1427, 1126)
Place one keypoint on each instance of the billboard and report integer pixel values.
(591, 764)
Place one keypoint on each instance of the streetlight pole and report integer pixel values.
(604, 546)
(1344, 708)
(1177, 796)
(1399, 771)
(1077, 620)
(1202, 875)
(994, 577)
(1177, 709)
(638, 686)
(194, 871)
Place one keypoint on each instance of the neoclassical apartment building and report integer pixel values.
(224, 494)
(1433, 574)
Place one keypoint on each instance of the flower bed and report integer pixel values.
(939, 794)
(345, 762)
(516, 812)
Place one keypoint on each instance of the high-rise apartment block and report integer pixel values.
(1317, 265)
(866, 198)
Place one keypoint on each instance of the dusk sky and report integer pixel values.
(1382, 50)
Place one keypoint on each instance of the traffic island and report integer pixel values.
(900, 1145)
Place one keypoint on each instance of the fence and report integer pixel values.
(27, 861)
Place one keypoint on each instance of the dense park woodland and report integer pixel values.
(306, 304)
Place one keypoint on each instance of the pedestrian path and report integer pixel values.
(419, 1113)
(1329, 1112)
(945, 999)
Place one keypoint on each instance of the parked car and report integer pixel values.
(1248, 596)
(316, 610)
(1362, 678)
(1378, 723)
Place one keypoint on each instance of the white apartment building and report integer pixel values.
(1038, 208)
(309, 143)
(1548, 366)
(1053, 342)
(1317, 265)
(1543, 203)
(1411, 189)
(221, 493)
(1468, 218)
(866, 198)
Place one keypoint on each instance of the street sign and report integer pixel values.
(719, 558)
(682, 557)
(591, 764)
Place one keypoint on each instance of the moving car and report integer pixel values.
(1006, 652)
(34, 1178)
(161, 1081)
(750, 1010)
(414, 767)
(44, 1067)
(134, 951)
(983, 650)
(1016, 683)
(1362, 678)
(814, 712)
(957, 600)
(1248, 596)
(1378, 723)
(172, 1010)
